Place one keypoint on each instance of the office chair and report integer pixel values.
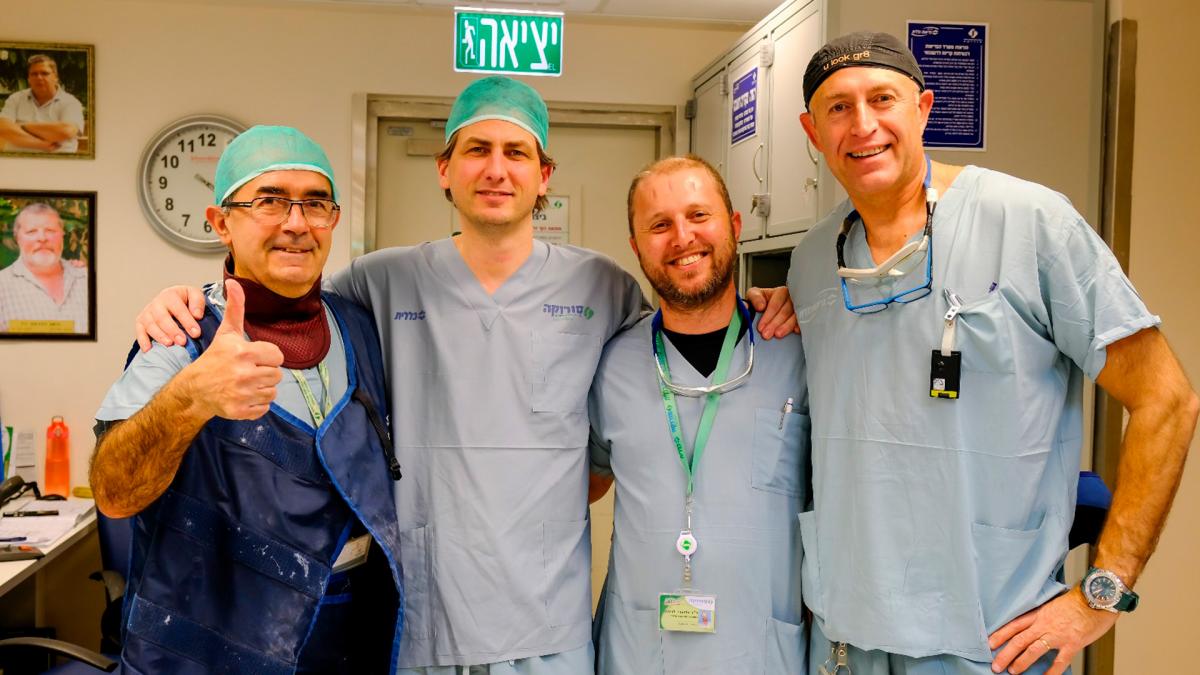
(115, 535)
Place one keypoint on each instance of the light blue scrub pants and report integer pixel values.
(575, 662)
(883, 663)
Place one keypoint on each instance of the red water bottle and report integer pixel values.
(58, 458)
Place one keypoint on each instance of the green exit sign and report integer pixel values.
(497, 41)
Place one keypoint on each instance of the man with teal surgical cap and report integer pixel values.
(492, 339)
(489, 386)
(255, 459)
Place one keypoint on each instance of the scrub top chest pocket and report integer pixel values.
(563, 365)
(985, 331)
(780, 434)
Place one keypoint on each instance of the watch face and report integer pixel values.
(176, 182)
(1103, 591)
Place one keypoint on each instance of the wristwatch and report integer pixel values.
(1104, 590)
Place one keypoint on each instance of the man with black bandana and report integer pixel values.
(949, 315)
(265, 536)
(706, 434)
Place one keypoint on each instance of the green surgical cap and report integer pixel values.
(500, 98)
(261, 149)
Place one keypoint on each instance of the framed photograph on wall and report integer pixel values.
(47, 95)
(47, 265)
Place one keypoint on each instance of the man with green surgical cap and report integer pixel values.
(492, 339)
(255, 459)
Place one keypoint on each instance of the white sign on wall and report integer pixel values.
(551, 225)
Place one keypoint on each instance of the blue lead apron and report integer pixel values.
(231, 564)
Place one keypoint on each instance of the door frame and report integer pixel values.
(369, 109)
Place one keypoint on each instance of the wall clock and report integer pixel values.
(175, 182)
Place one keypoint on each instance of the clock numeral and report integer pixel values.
(170, 205)
(186, 218)
(207, 140)
(162, 182)
(207, 227)
(171, 162)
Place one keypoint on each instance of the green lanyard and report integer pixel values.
(710, 403)
(318, 412)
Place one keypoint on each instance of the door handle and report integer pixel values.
(754, 163)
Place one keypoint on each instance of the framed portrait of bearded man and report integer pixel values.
(47, 265)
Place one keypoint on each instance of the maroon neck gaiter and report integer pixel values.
(296, 325)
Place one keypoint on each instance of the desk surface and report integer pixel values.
(16, 571)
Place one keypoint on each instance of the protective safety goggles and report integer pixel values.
(718, 388)
(903, 297)
(899, 264)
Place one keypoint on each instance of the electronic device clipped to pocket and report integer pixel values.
(944, 374)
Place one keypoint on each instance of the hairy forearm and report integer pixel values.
(55, 132)
(136, 460)
(1152, 457)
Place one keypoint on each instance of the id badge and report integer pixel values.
(687, 612)
(944, 374)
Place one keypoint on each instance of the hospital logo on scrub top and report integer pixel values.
(568, 311)
(418, 315)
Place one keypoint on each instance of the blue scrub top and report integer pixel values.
(936, 521)
(750, 483)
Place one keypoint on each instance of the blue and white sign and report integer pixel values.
(953, 57)
(745, 107)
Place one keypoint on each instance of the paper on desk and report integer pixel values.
(44, 530)
(23, 457)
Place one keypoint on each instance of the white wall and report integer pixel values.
(258, 62)
(1164, 244)
(1041, 122)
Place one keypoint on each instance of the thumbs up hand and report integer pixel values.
(235, 378)
(234, 320)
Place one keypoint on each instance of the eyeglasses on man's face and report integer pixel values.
(271, 210)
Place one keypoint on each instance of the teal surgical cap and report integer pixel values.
(500, 98)
(261, 149)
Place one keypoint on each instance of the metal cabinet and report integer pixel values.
(745, 121)
(793, 165)
(708, 120)
(746, 141)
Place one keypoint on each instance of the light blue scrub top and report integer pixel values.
(490, 424)
(750, 483)
(936, 521)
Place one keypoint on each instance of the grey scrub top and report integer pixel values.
(490, 424)
(750, 483)
(937, 521)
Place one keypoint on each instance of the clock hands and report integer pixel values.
(205, 181)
